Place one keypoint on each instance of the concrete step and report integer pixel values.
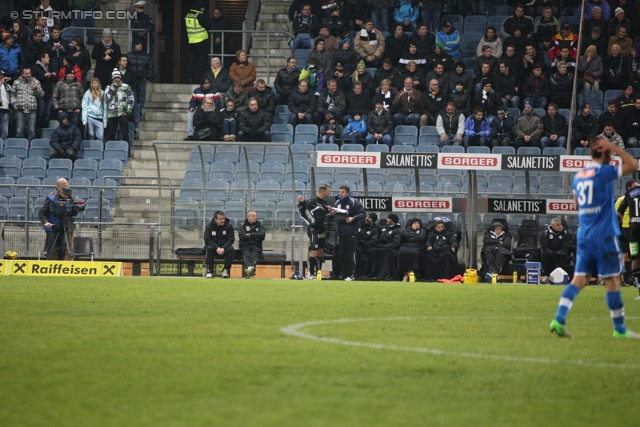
(164, 154)
(163, 125)
(176, 175)
(165, 135)
(167, 106)
(274, 43)
(171, 97)
(170, 88)
(275, 26)
(274, 17)
(139, 164)
(276, 63)
(152, 115)
(272, 8)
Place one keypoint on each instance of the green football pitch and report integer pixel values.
(195, 352)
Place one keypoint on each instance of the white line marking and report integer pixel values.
(295, 331)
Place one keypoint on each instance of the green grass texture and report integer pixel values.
(196, 352)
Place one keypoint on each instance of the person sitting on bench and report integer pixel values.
(251, 234)
(218, 242)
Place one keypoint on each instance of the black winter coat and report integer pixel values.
(382, 123)
(141, 63)
(394, 47)
(302, 102)
(220, 84)
(367, 236)
(286, 82)
(535, 87)
(266, 99)
(392, 75)
(204, 119)
(389, 237)
(311, 27)
(463, 78)
(57, 55)
(348, 58)
(66, 137)
(502, 129)
(84, 60)
(490, 105)
(500, 244)
(424, 44)
(555, 126)
(505, 84)
(46, 82)
(219, 237)
(442, 241)
(357, 104)
(251, 235)
(32, 51)
(414, 237)
(584, 127)
(254, 125)
(555, 241)
(103, 67)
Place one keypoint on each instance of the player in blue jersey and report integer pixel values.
(598, 246)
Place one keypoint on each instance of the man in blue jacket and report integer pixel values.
(347, 213)
(11, 56)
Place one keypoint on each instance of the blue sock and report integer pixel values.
(616, 308)
(566, 301)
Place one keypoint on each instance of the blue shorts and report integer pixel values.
(599, 258)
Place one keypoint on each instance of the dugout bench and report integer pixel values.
(192, 257)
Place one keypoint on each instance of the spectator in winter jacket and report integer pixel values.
(585, 127)
(546, 27)
(432, 102)
(369, 44)
(396, 43)
(502, 128)
(450, 38)
(335, 22)
(65, 140)
(423, 39)
(58, 48)
(286, 80)
(105, 53)
(615, 69)
(412, 243)
(412, 55)
(532, 58)
(536, 88)
(554, 128)
(345, 56)
(450, 125)
(265, 97)
(439, 55)
(33, 48)
(506, 85)
(302, 104)
(320, 53)
(379, 124)
(407, 14)
(461, 76)
(207, 119)
(93, 110)
(490, 39)
(329, 129)
(622, 40)
(517, 19)
(387, 93)
(251, 233)
(199, 94)
(239, 97)
(143, 69)
(356, 129)
(5, 106)
(356, 102)
(119, 104)
(613, 116)
(418, 76)
(67, 63)
(619, 21)
(243, 71)
(43, 72)
(597, 39)
(488, 99)
(528, 129)
(218, 76)
(218, 243)
(564, 38)
(516, 64)
(632, 132)
(387, 72)
(230, 118)
(314, 76)
(610, 134)
(589, 5)
(67, 97)
(561, 83)
(407, 105)
(461, 99)
(305, 28)
(330, 100)
(477, 129)
(26, 92)
(254, 124)
(441, 76)
(486, 75)
(590, 64)
(81, 55)
(11, 56)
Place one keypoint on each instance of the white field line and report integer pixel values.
(295, 331)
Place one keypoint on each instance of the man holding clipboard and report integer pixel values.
(347, 214)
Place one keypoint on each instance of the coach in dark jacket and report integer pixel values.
(218, 242)
(442, 245)
(254, 124)
(65, 140)
(412, 244)
(251, 234)
(496, 248)
(367, 238)
(384, 254)
(348, 213)
(555, 242)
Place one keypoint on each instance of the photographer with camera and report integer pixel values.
(57, 215)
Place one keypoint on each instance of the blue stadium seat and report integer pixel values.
(402, 149)
(238, 189)
(34, 187)
(18, 208)
(475, 19)
(4, 206)
(554, 151)
(593, 97)
(429, 140)
(394, 189)
(566, 113)
(267, 190)
(610, 95)
(323, 176)
(118, 150)
(301, 172)
(503, 150)
(406, 130)
(352, 147)
(405, 139)
(107, 187)
(272, 172)
(90, 149)
(217, 190)
(107, 167)
(530, 151)
(6, 186)
(222, 170)
(399, 177)
(16, 147)
(61, 168)
(276, 154)
(472, 37)
(505, 180)
(427, 148)
(474, 28)
(85, 168)
(581, 151)
(81, 188)
(328, 147)
(241, 172)
(34, 167)
(191, 190)
(347, 176)
(92, 211)
(208, 153)
(498, 189)
(377, 148)
(452, 149)
(254, 152)
(448, 179)
(301, 151)
(496, 22)
(46, 132)
(479, 149)
(227, 153)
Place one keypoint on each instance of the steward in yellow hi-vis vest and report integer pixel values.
(198, 27)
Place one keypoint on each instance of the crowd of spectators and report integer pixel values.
(44, 75)
(359, 88)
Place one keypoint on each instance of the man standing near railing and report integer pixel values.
(198, 27)
(83, 17)
(143, 21)
(221, 39)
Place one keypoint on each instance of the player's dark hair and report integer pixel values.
(346, 188)
(324, 187)
(217, 214)
(630, 183)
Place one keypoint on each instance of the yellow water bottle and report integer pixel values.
(319, 274)
(515, 276)
(412, 277)
(494, 278)
(466, 277)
